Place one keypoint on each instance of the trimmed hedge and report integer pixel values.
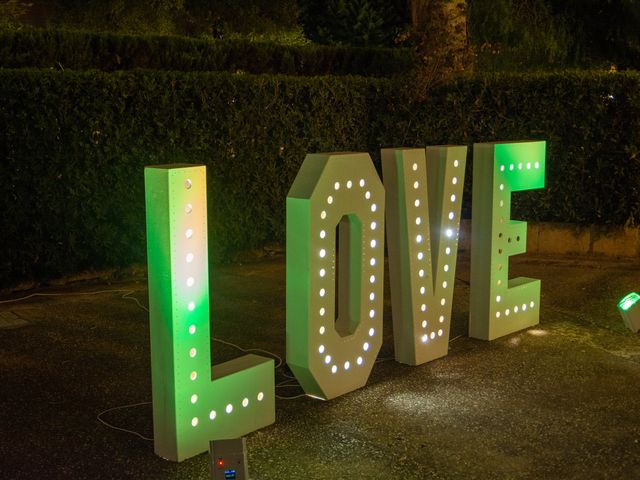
(73, 146)
(111, 52)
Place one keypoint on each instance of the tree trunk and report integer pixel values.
(440, 27)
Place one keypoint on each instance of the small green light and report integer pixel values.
(628, 301)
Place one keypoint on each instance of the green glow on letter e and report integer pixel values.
(499, 305)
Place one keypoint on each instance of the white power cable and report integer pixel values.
(99, 418)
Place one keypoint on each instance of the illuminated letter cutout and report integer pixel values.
(424, 196)
(499, 306)
(334, 334)
(189, 408)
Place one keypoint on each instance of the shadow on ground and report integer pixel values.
(561, 400)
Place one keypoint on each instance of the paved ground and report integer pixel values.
(559, 401)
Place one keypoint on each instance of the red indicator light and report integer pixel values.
(220, 463)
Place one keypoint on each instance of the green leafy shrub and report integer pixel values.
(74, 145)
(519, 35)
(111, 52)
(354, 22)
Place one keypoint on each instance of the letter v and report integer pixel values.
(424, 197)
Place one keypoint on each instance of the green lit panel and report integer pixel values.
(424, 197)
(192, 403)
(499, 305)
(335, 236)
(629, 311)
(628, 301)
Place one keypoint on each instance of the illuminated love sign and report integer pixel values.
(336, 212)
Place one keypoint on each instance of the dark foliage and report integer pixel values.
(110, 52)
(74, 145)
(605, 30)
(354, 22)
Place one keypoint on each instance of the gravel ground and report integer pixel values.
(561, 400)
